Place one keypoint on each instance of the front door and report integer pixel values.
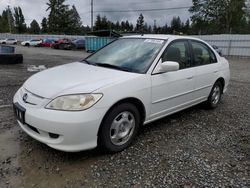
(172, 91)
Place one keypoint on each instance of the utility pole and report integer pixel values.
(9, 18)
(92, 12)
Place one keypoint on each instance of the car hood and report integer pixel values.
(74, 78)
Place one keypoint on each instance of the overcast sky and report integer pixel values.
(36, 9)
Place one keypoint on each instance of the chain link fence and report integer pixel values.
(231, 45)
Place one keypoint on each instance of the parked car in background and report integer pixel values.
(78, 43)
(32, 42)
(9, 41)
(218, 50)
(47, 42)
(62, 44)
(1, 40)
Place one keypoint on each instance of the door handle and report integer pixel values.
(190, 78)
(216, 71)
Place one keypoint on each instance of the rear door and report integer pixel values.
(206, 69)
(172, 91)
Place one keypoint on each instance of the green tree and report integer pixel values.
(19, 21)
(105, 23)
(127, 26)
(74, 21)
(186, 27)
(4, 24)
(44, 25)
(102, 23)
(140, 23)
(117, 26)
(6, 21)
(58, 16)
(34, 27)
(98, 22)
(176, 25)
(218, 16)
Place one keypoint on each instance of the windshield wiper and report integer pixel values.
(113, 67)
(88, 62)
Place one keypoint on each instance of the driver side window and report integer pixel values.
(178, 52)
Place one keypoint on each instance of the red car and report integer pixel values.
(47, 42)
(63, 44)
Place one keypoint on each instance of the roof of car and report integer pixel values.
(159, 36)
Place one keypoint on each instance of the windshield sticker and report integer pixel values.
(154, 41)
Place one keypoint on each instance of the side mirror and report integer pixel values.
(167, 66)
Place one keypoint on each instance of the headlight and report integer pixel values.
(74, 102)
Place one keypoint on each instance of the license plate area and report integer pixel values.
(19, 112)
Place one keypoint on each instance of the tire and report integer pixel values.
(27, 44)
(61, 46)
(11, 58)
(73, 47)
(119, 128)
(215, 95)
(15, 43)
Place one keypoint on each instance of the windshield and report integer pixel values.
(134, 55)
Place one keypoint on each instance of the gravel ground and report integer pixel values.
(193, 148)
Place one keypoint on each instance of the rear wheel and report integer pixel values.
(215, 96)
(27, 44)
(119, 128)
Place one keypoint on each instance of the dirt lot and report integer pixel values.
(194, 148)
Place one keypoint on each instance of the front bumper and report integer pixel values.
(62, 130)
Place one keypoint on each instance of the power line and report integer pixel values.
(134, 2)
(145, 10)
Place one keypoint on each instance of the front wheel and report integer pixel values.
(119, 128)
(215, 96)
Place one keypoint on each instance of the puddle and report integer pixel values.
(36, 68)
(25, 162)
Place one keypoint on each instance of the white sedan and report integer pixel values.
(32, 42)
(133, 81)
(9, 41)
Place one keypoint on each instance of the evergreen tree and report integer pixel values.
(74, 21)
(123, 26)
(117, 26)
(176, 25)
(58, 16)
(7, 21)
(127, 26)
(44, 25)
(104, 23)
(140, 23)
(218, 16)
(20, 26)
(98, 22)
(131, 27)
(186, 28)
(34, 27)
(150, 29)
(4, 23)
